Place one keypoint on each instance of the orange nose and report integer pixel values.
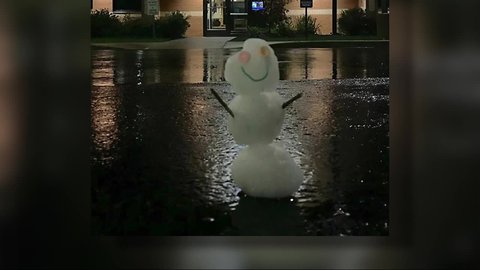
(244, 57)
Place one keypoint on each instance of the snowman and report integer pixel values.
(263, 168)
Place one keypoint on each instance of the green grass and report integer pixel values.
(125, 40)
(313, 38)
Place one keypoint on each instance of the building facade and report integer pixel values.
(230, 17)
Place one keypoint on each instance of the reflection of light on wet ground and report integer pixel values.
(207, 65)
(193, 69)
(213, 141)
(301, 63)
(174, 140)
(139, 66)
(104, 108)
(186, 134)
(102, 68)
(214, 65)
(311, 120)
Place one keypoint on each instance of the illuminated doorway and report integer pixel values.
(216, 16)
(224, 17)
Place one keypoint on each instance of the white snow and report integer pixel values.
(263, 168)
(266, 170)
(257, 67)
(258, 118)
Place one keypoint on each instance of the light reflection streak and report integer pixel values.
(105, 129)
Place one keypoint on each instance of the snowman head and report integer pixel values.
(253, 69)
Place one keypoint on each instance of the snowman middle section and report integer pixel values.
(258, 118)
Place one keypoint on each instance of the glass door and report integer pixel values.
(216, 15)
(238, 16)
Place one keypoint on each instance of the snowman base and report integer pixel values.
(266, 170)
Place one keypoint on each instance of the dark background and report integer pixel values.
(434, 155)
(127, 5)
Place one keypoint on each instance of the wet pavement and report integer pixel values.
(161, 152)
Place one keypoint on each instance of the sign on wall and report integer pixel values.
(152, 7)
(306, 3)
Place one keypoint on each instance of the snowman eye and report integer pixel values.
(264, 51)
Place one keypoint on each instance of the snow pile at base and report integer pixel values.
(266, 170)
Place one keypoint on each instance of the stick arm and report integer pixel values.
(288, 102)
(220, 100)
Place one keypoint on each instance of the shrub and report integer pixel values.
(275, 12)
(256, 32)
(173, 25)
(103, 24)
(356, 21)
(257, 19)
(371, 23)
(312, 25)
(284, 29)
(137, 27)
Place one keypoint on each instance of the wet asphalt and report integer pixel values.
(161, 152)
